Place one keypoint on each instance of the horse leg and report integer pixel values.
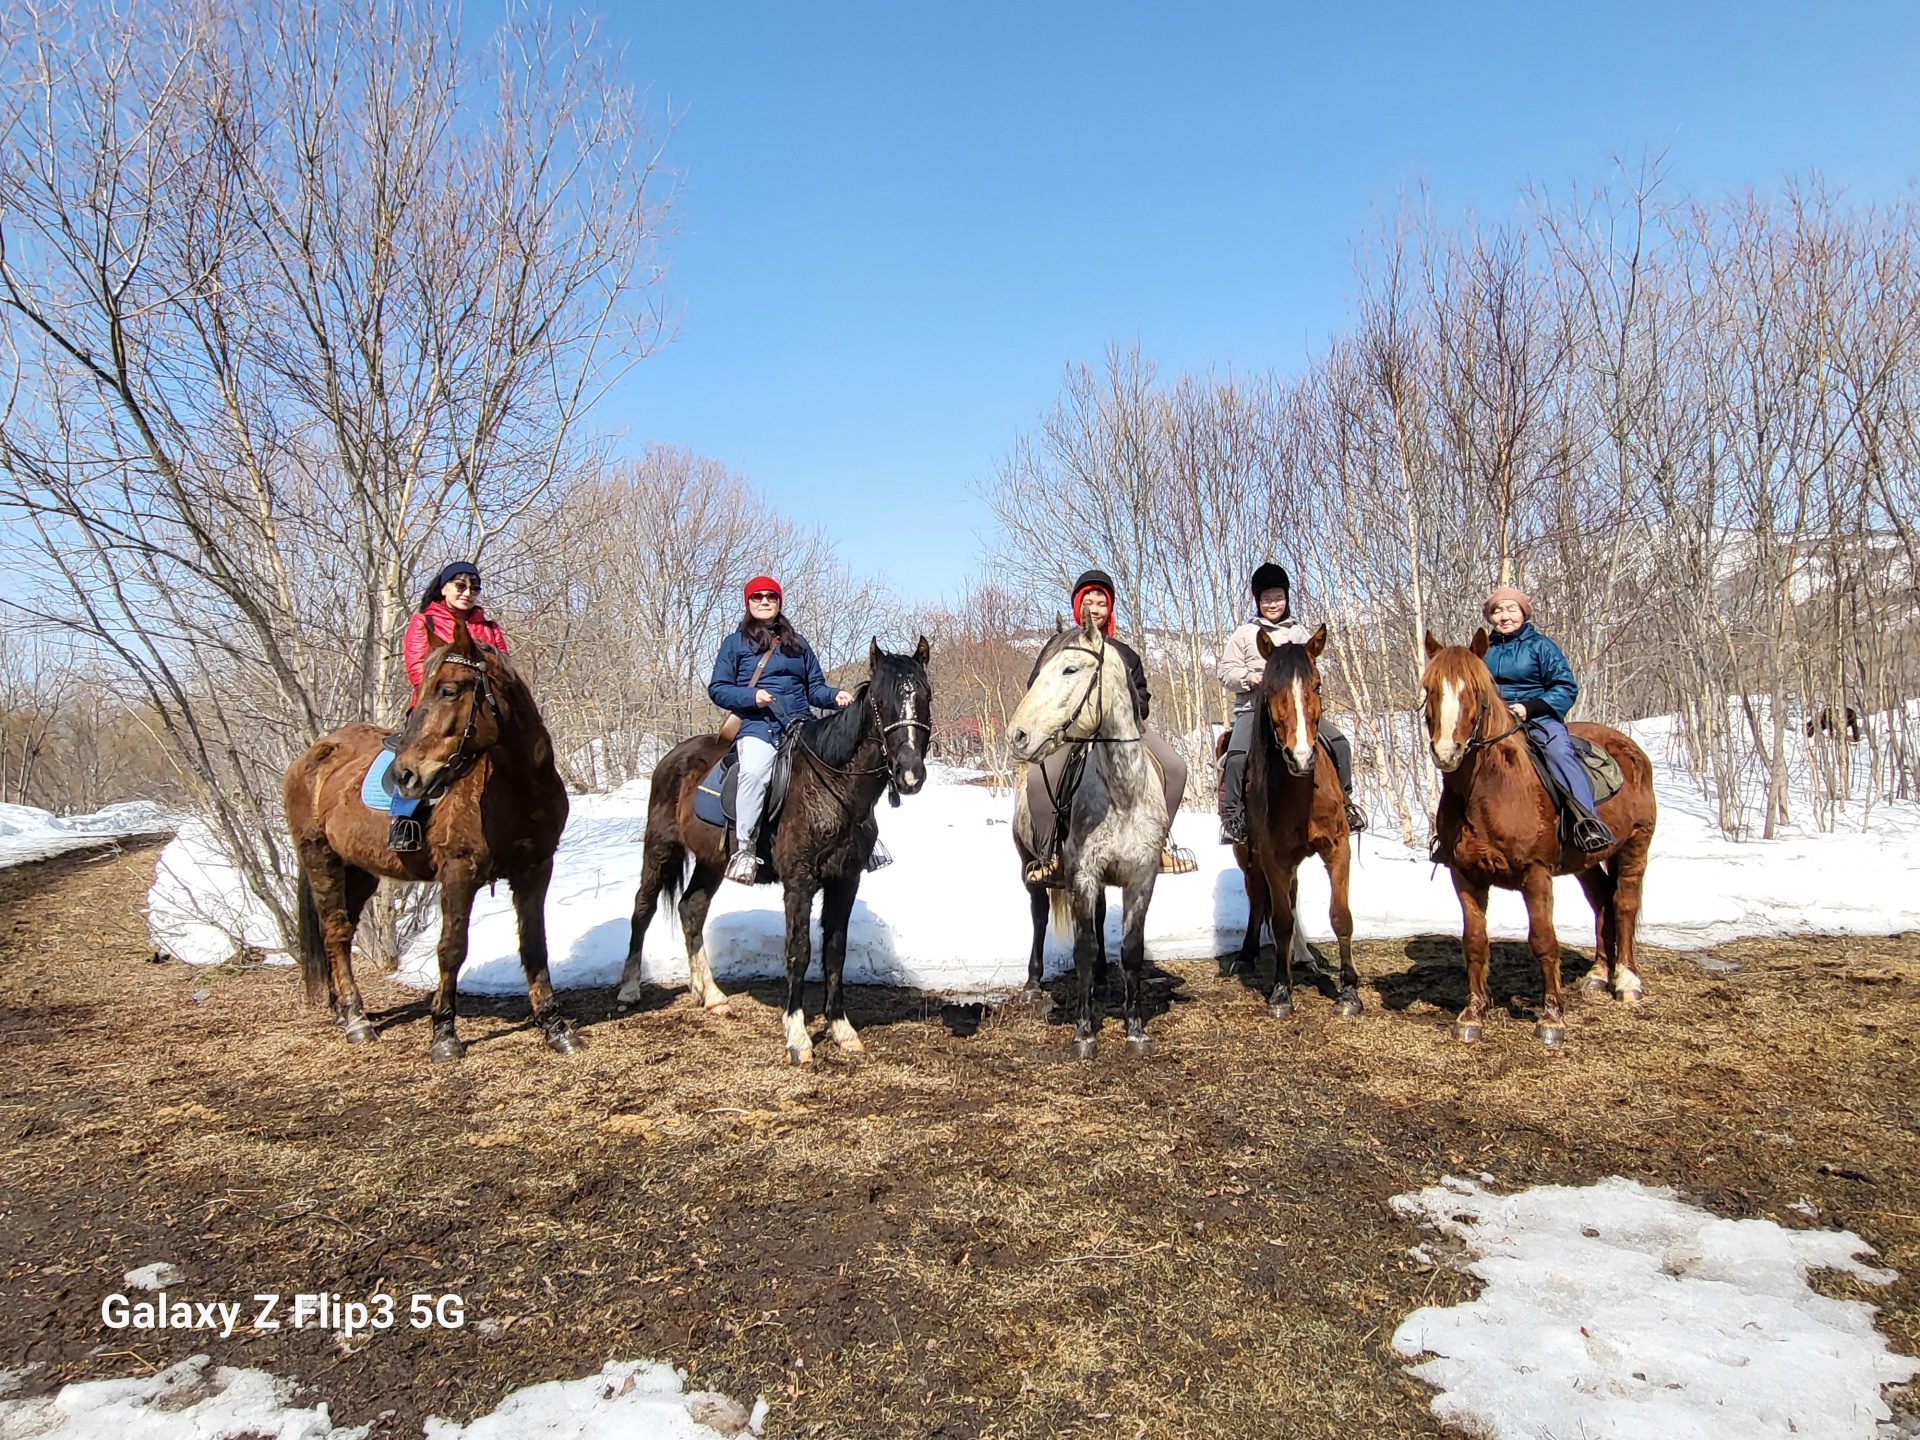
(456, 908)
(1630, 872)
(1282, 882)
(1247, 962)
(799, 956)
(693, 926)
(1537, 887)
(1088, 914)
(654, 869)
(1599, 887)
(530, 912)
(836, 907)
(1037, 957)
(1473, 949)
(1100, 940)
(1133, 961)
(330, 880)
(1339, 874)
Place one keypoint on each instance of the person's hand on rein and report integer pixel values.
(763, 698)
(843, 698)
(1519, 711)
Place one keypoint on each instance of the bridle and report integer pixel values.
(1476, 741)
(1096, 689)
(463, 760)
(881, 730)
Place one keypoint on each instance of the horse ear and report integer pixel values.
(1480, 642)
(873, 655)
(1264, 643)
(1317, 643)
(922, 652)
(1090, 628)
(1434, 647)
(1059, 622)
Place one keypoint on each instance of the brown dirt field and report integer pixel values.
(959, 1234)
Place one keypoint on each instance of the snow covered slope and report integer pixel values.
(27, 833)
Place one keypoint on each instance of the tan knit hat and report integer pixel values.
(1504, 593)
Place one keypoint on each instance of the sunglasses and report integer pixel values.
(764, 595)
(464, 583)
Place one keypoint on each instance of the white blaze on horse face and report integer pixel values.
(1301, 752)
(1447, 750)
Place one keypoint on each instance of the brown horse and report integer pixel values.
(1497, 826)
(822, 838)
(476, 744)
(1294, 809)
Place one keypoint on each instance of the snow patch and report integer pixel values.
(1614, 1310)
(156, 1276)
(197, 1400)
(28, 833)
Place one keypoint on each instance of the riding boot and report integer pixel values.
(1356, 817)
(1233, 825)
(1043, 869)
(1590, 832)
(1177, 860)
(744, 867)
(404, 835)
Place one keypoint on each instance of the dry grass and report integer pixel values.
(957, 1234)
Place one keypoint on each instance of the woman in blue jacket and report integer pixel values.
(767, 674)
(1538, 686)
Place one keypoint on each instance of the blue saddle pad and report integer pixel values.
(376, 791)
(713, 800)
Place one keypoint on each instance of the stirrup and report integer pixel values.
(1043, 870)
(1177, 860)
(1590, 833)
(881, 857)
(1233, 828)
(1356, 817)
(744, 867)
(404, 835)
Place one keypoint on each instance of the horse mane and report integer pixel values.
(512, 694)
(833, 738)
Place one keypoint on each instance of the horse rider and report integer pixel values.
(1241, 666)
(1093, 598)
(1538, 687)
(766, 674)
(455, 591)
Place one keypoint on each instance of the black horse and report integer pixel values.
(822, 838)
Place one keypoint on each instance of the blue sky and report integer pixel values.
(897, 225)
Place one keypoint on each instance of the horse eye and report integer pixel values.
(447, 692)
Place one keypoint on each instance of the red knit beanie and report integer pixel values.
(1503, 593)
(763, 582)
(1081, 593)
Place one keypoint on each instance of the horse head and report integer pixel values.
(902, 702)
(1457, 694)
(1080, 682)
(1289, 697)
(457, 716)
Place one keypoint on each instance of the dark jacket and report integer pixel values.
(795, 681)
(1531, 671)
(1136, 672)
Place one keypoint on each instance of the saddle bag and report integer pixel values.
(1603, 771)
(730, 727)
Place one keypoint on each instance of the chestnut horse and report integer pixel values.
(1497, 826)
(1294, 809)
(476, 744)
(822, 838)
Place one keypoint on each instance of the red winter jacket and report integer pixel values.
(419, 641)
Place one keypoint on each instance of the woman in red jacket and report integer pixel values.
(455, 591)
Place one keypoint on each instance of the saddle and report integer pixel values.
(1603, 774)
(376, 788)
(715, 799)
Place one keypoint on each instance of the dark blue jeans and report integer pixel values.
(1556, 748)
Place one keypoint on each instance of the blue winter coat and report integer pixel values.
(796, 681)
(1531, 671)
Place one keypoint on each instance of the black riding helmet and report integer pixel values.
(1269, 577)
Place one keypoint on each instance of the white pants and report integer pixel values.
(756, 770)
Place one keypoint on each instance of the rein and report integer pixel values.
(881, 730)
(461, 760)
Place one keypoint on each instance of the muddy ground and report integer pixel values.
(958, 1234)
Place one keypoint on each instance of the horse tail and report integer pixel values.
(1060, 910)
(315, 968)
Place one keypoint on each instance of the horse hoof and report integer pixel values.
(1139, 1044)
(629, 995)
(797, 1056)
(1280, 1009)
(1549, 1032)
(446, 1050)
(1347, 1007)
(720, 1010)
(1083, 1049)
(1467, 1032)
(852, 1045)
(566, 1041)
(1628, 997)
(361, 1032)
(1594, 987)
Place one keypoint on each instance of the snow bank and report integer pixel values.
(27, 833)
(196, 1400)
(1613, 1310)
(951, 914)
